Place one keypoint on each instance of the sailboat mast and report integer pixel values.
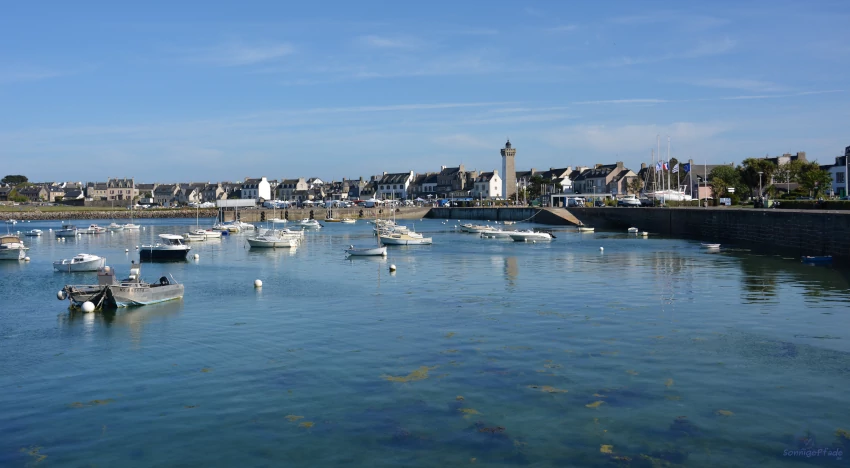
(668, 162)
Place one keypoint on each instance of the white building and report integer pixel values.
(256, 189)
(838, 171)
(488, 185)
(395, 186)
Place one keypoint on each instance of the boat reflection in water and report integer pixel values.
(133, 317)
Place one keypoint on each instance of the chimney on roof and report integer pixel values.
(619, 164)
(533, 171)
(442, 168)
(597, 166)
(643, 165)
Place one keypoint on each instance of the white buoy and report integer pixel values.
(534, 242)
(88, 306)
(258, 283)
(196, 256)
(126, 250)
(137, 247)
(60, 295)
(392, 267)
(26, 259)
(601, 249)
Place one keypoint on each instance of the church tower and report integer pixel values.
(508, 171)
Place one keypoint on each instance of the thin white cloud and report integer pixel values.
(236, 54)
(563, 28)
(703, 49)
(628, 138)
(385, 42)
(741, 83)
(625, 101)
(24, 74)
(683, 20)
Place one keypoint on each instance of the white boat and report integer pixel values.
(633, 230)
(406, 238)
(11, 221)
(66, 231)
(585, 229)
(529, 236)
(496, 234)
(131, 227)
(669, 195)
(310, 224)
(34, 232)
(474, 228)
(79, 262)
(92, 229)
(711, 246)
(278, 221)
(115, 227)
(208, 233)
(273, 239)
(172, 247)
(347, 221)
(111, 293)
(366, 251)
(245, 226)
(508, 222)
(195, 236)
(12, 248)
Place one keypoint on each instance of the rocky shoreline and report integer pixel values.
(250, 216)
(36, 215)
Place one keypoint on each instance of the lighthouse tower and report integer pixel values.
(508, 171)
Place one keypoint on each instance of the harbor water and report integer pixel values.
(595, 349)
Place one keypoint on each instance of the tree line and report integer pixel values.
(745, 180)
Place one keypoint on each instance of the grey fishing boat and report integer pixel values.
(110, 293)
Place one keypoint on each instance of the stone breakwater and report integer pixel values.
(36, 215)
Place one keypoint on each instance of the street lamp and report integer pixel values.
(760, 173)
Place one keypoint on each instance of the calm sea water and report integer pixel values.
(653, 352)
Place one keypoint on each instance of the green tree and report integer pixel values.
(722, 178)
(14, 179)
(749, 171)
(635, 185)
(814, 179)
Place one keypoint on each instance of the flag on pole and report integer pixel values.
(664, 166)
(676, 168)
(686, 167)
(658, 166)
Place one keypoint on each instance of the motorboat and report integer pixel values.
(12, 248)
(208, 233)
(80, 262)
(822, 260)
(115, 227)
(633, 230)
(474, 228)
(93, 229)
(496, 234)
(530, 236)
(194, 236)
(405, 238)
(11, 221)
(366, 251)
(274, 239)
(332, 220)
(66, 231)
(131, 227)
(34, 233)
(245, 226)
(278, 221)
(109, 293)
(347, 221)
(710, 246)
(172, 247)
(310, 224)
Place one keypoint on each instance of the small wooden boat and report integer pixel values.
(818, 260)
(711, 246)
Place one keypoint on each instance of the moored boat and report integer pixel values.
(67, 230)
(633, 230)
(474, 228)
(79, 262)
(172, 247)
(496, 234)
(529, 236)
(710, 246)
(115, 227)
(347, 221)
(12, 248)
(274, 239)
(585, 229)
(194, 236)
(92, 229)
(405, 238)
(819, 260)
(34, 233)
(110, 293)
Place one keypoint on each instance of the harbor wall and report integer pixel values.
(802, 232)
(553, 216)
(248, 216)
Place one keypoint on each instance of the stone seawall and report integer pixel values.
(553, 216)
(803, 232)
(248, 216)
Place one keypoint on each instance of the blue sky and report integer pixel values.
(178, 91)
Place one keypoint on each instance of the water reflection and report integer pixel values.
(511, 271)
(132, 317)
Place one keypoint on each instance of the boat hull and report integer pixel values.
(13, 254)
(66, 233)
(68, 267)
(162, 254)
(367, 252)
(124, 295)
(388, 240)
(531, 236)
(273, 244)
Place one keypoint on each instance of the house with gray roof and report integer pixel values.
(394, 186)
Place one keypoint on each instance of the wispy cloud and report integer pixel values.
(683, 20)
(740, 83)
(719, 98)
(562, 28)
(702, 49)
(625, 138)
(236, 54)
(385, 42)
(23, 74)
(625, 101)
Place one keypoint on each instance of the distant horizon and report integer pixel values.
(95, 89)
